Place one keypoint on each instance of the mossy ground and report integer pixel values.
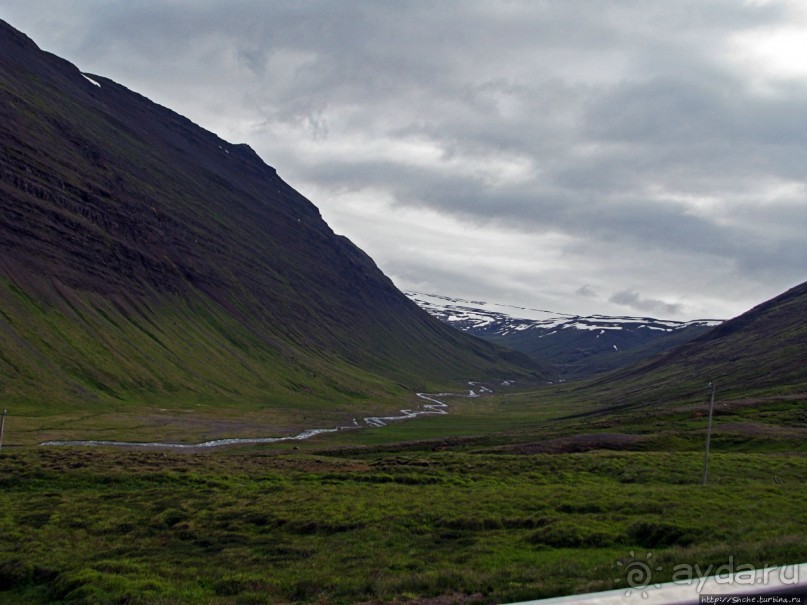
(405, 513)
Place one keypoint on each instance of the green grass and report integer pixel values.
(510, 496)
(379, 523)
(183, 374)
(523, 494)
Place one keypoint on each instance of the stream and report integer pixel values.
(433, 405)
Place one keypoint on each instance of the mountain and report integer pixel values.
(143, 258)
(759, 354)
(577, 346)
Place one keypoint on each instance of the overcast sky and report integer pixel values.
(639, 157)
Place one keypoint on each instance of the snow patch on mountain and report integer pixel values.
(91, 81)
(498, 319)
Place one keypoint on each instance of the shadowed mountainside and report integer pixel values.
(762, 352)
(144, 258)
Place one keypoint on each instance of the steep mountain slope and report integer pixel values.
(144, 258)
(576, 346)
(761, 352)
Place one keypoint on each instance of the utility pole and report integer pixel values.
(708, 432)
(2, 426)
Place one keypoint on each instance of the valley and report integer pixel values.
(433, 406)
(215, 399)
(504, 499)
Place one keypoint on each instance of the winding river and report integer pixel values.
(434, 405)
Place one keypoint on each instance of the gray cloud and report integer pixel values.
(624, 141)
(631, 299)
(586, 291)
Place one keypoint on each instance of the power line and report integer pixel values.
(2, 427)
(708, 432)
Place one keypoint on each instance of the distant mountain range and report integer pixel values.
(576, 346)
(759, 356)
(143, 258)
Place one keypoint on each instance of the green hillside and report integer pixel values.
(761, 353)
(144, 260)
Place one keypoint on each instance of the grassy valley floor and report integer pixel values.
(439, 509)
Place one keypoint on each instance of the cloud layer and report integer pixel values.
(579, 156)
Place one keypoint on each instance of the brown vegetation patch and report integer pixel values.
(581, 443)
(758, 429)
